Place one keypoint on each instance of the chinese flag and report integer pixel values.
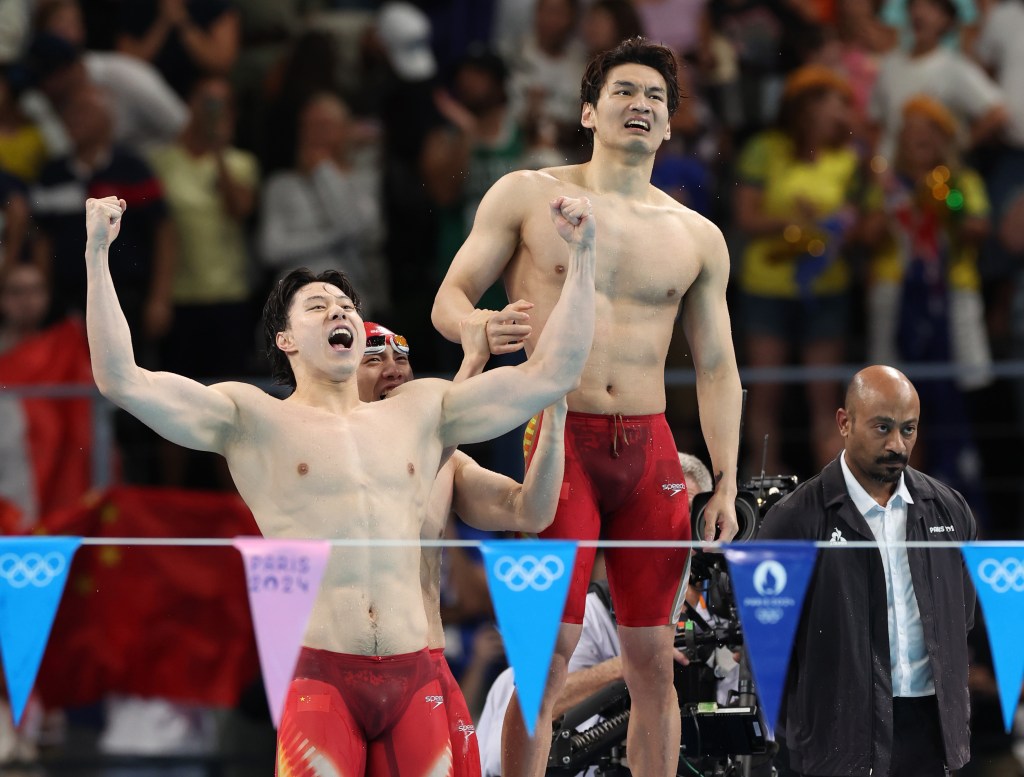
(58, 431)
(172, 622)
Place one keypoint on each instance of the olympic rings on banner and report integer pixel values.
(1002, 576)
(529, 572)
(31, 569)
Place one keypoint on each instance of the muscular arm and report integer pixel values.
(719, 396)
(183, 411)
(494, 502)
(482, 258)
(497, 401)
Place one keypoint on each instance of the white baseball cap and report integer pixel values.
(405, 32)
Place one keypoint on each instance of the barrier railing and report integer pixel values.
(103, 411)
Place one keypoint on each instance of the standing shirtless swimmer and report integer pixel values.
(323, 464)
(621, 468)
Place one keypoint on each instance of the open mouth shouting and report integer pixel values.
(340, 338)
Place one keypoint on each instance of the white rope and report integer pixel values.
(362, 543)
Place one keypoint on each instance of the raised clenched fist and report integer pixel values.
(103, 221)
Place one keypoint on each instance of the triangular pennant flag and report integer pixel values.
(529, 580)
(33, 571)
(283, 578)
(998, 573)
(769, 580)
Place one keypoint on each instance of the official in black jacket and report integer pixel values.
(877, 681)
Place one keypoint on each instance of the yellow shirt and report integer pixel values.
(23, 153)
(213, 263)
(769, 262)
(889, 261)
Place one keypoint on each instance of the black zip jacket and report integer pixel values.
(837, 710)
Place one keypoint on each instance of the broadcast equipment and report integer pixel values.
(753, 500)
(717, 740)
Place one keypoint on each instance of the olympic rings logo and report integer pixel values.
(1002, 576)
(529, 572)
(31, 569)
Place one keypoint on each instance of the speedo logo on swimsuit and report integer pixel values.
(673, 488)
(467, 728)
(437, 701)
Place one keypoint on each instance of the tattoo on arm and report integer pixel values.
(718, 479)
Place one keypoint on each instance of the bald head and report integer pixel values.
(879, 426)
(878, 383)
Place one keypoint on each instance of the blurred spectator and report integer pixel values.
(14, 220)
(184, 39)
(512, 22)
(545, 71)
(999, 48)
(606, 23)
(325, 213)
(142, 259)
(211, 189)
(765, 35)
(896, 15)
(795, 203)
(684, 165)
(675, 23)
(267, 29)
(145, 110)
(24, 304)
(481, 142)
(309, 67)
(863, 39)
(408, 115)
(924, 295)
(22, 149)
(930, 68)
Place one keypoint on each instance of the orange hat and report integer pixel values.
(933, 110)
(814, 77)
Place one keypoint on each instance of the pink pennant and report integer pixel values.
(283, 578)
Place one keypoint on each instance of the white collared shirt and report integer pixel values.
(908, 657)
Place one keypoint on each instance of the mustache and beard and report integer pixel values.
(890, 468)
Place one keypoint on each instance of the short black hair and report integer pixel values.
(636, 50)
(275, 313)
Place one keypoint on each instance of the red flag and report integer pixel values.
(59, 431)
(171, 622)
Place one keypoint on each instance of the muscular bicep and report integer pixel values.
(483, 256)
(180, 409)
(495, 402)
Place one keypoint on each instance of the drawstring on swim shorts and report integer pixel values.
(617, 421)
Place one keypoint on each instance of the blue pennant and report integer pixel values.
(33, 571)
(770, 580)
(529, 580)
(998, 574)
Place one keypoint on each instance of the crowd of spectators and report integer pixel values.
(865, 159)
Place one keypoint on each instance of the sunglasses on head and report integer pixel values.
(377, 343)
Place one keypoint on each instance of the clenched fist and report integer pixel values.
(574, 220)
(103, 221)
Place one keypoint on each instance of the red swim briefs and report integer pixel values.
(350, 715)
(623, 481)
